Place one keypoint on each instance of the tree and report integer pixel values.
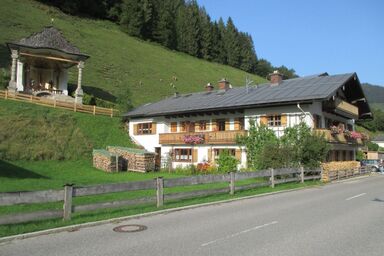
(287, 73)
(232, 44)
(263, 68)
(188, 29)
(165, 31)
(137, 18)
(308, 149)
(226, 162)
(258, 136)
(248, 59)
(206, 35)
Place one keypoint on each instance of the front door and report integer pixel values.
(158, 158)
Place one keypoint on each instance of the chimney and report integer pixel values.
(224, 84)
(209, 87)
(275, 77)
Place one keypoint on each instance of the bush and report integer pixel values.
(275, 155)
(226, 162)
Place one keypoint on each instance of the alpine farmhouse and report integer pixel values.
(194, 128)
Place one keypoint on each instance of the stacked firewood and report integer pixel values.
(134, 159)
(106, 161)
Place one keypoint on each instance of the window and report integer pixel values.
(217, 151)
(202, 125)
(182, 155)
(174, 127)
(220, 124)
(187, 126)
(145, 128)
(274, 120)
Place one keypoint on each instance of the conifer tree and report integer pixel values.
(232, 44)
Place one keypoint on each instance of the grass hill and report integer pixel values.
(32, 132)
(119, 63)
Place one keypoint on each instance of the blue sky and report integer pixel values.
(312, 37)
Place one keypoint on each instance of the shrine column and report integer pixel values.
(20, 75)
(12, 83)
(79, 91)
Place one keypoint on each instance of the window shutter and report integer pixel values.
(227, 125)
(237, 124)
(264, 120)
(283, 120)
(135, 129)
(214, 125)
(153, 128)
(194, 155)
(174, 127)
(209, 155)
(238, 154)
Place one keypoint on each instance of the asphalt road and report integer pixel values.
(338, 219)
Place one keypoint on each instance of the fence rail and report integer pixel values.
(271, 177)
(93, 110)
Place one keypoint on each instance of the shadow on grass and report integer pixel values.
(8, 170)
(97, 92)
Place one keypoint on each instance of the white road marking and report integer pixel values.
(239, 233)
(356, 196)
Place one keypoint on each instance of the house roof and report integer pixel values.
(49, 38)
(297, 90)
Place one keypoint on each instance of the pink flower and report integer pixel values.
(194, 139)
(356, 135)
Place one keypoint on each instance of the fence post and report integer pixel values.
(272, 178)
(94, 109)
(338, 175)
(160, 191)
(54, 103)
(302, 174)
(111, 112)
(67, 207)
(232, 183)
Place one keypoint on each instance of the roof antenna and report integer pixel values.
(248, 83)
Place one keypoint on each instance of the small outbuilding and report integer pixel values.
(40, 64)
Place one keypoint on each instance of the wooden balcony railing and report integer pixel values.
(347, 107)
(337, 138)
(217, 137)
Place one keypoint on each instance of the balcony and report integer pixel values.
(338, 137)
(211, 138)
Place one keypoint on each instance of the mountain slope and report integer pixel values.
(375, 95)
(118, 63)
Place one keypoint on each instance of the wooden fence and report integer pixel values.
(273, 177)
(94, 110)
